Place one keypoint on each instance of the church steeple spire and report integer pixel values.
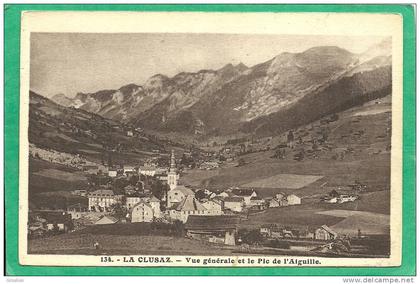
(172, 174)
(173, 163)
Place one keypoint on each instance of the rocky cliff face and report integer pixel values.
(273, 95)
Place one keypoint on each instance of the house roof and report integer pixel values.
(294, 195)
(130, 187)
(242, 191)
(196, 222)
(275, 200)
(102, 192)
(256, 198)
(234, 199)
(35, 228)
(111, 218)
(147, 168)
(141, 202)
(214, 200)
(184, 190)
(329, 230)
(190, 204)
(154, 199)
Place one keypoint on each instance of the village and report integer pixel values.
(153, 194)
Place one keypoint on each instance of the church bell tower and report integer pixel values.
(172, 175)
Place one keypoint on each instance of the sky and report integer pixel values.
(69, 63)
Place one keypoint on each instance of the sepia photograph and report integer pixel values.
(192, 147)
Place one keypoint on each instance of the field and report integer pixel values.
(367, 222)
(61, 175)
(283, 181)
(122, 245)
(303, 216)
(312, 216)
(125, 239)
(50, 177)
(373, 171)
(50, 185)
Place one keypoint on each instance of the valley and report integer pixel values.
(293, 153)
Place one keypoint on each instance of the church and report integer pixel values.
(177, 193)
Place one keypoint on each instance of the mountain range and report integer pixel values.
(284, 92)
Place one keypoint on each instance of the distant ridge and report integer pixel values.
(288, 90)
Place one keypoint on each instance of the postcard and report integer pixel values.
(192, 139)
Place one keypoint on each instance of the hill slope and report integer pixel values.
(78, 132)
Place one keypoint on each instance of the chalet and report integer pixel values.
(347, 198)
(226, 150)
(87, 219)
(36, 232)
(293, 199)
(223, 194)
(102, 169)
(188, 206)
(178, 194)
(213, 207)
(273, 231)
(129, 170)
(246, 194)
(155, 203)
(58, 221)
(101, 200)
(142, 212)
(329, 199)
(307, 234)
(234, 203)
(162, 177)
(335, 197)
(76, 210)
(104, 220)
(90, 169)
(35, 220)
(266, 230)
(325, 233)
(279, 200)
(280, 195)
(273, 202)
(211, 195)
(257, 201)
(147, 171)
(131, 200)
(112, 172)
(217, 229)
